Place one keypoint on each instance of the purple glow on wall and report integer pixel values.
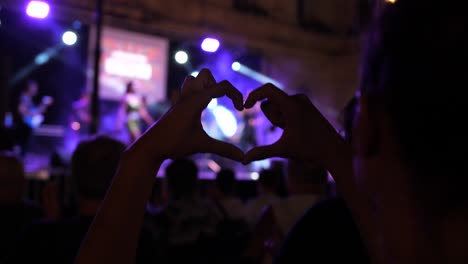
(210, 45)
(38, 9)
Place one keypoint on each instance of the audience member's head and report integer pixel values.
(182, 177)
(93, 166)
(267, 181)
(12, 181)
(226, 182)
(412, 105)
(306, 177)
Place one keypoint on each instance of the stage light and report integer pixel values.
(213, 103)
(258, 76)
(75, 126)
(69, 38)
(236, 66)
(194, 73)
(254, 176)
(42, 58)
(181, 57)
(226, 120)
(37, 9)
(391, 1)
(210, 45)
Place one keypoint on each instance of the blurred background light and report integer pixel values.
(37, 9)
(210, 45)
(69, 38)
(236, 66)
(181, 57)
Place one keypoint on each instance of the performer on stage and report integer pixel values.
(248, 136)
(30, 114)
(134, 107)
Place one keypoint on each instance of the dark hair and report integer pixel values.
(182, 177)
(94, 163)
(226, 181)
(414, 67)
(268, 178)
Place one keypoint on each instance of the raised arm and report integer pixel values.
(113, 236)
(309, 136)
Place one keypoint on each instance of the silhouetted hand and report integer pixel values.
(307, 134)
(179, 132)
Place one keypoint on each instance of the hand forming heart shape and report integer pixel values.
(179, 132)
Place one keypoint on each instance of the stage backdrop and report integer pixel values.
(128, 56)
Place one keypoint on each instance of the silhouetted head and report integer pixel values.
(268, 180)
(12, 181)
(226, 182)
(94, 163)
(412, 103)
(182, 177)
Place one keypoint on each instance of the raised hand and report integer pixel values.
(307, 134)
(179, 132)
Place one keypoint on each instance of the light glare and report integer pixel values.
(37, 9)
(69, 38)
(181, 57)
(210, 45)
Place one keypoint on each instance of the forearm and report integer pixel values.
(113, 235)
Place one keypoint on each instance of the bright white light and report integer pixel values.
(194, 73)
(254, 176)
(236, 66)
(213, 103)
(226, 120)
(210, 45)
(390, 1)
(69, 38)
(38, 9)
(181, 57)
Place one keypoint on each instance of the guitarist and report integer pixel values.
(31, 115)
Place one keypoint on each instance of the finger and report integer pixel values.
(205, 77)
(301, 97)
(226, 88)
(187, 86)
(222, 149)
(267, 91)
(273, 114)
(263, 152)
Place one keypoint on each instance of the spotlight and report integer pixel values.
(194, 73)
(181, 57)
(236, 66)
(42, 58)
(226, 120)
(210, 45)
(69, 38)
(390, 1)
(37, 9)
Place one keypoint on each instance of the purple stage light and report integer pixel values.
(210, 45)
(38, 9)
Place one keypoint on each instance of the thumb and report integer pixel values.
(223, 149)
(262, 152)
